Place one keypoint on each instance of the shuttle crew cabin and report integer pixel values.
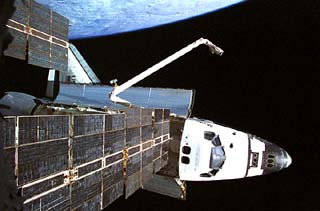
(209, 151)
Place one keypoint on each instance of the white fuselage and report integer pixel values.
(242, 157)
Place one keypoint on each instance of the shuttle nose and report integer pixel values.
(275, 158)
(287, 160)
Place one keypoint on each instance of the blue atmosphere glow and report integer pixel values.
(91, 18)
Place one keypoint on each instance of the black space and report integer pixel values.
(266, 83)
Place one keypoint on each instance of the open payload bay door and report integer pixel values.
(179, 101)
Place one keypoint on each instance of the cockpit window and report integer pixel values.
(185, 160)
(209, 135)
(205, 175)
(216, 141)
(217, 157)
(186, 150)
(209, 174)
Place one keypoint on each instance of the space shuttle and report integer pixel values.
(141, 140)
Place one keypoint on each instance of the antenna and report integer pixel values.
(118, 89)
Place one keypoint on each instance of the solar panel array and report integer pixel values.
(83, 162)
(39, 34)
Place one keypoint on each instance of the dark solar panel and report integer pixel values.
(88, 124)
(39, 52)
(9, 157)
(145, 116)
(158, 113)
(40, 30)
(166, 114)
(59, 199)
(7, 131)
(87, 148)
(157, 129)
(59, 57)
(39, 160)
(114, 141)
(87, 188)
(27, 130)
(35, 129)
(146, 133)
(133, 136)
(165, 128)
(111, 193)
(133, 117)
(40, 18)
(43, 186)
(83, 162)
(115, 122)
(53, 127)
(133, 178)
(147, 165)
(21, 11)
(60, 26)
(17, 47)
(91, 167)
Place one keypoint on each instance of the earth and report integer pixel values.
(106, 17)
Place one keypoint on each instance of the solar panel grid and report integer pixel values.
(112, 194)
(53, 127)
(7, 131)
(88, 124)
(58, 200)
(77, 162)
(86, 189)
(157, 129)
(36, 129)
(113, 158)
(133, 144)
(115, 122)
(43, 186)
(38, 52)
(21, 13)
(9, 157)
(114, 141)
(162, 138)
(146, 133)
(40, 32)
(58, 57)
(83, 170)
(17, 47)
(133, 136)
(87, 148)
(40, 18)
(60, 26)
(39, 160)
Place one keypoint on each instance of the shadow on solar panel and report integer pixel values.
(82, 161)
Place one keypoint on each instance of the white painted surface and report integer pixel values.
(74, 68)
(51, 75)
(259, 147)
(238, 156)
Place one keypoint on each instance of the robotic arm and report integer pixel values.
(118, 89)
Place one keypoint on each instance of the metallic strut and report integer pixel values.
(118, 89)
